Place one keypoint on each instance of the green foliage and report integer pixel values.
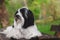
(35, 6)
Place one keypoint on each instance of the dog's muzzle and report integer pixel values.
(17, 17)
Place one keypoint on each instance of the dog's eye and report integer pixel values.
(17, 16)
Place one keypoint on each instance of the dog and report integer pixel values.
(24, 26)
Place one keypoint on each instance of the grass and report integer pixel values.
(46, 28)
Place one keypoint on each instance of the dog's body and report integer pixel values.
(24, 26)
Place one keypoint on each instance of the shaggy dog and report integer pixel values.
(24, 26)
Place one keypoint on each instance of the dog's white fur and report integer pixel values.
(18, 32)
(31, 32)
(12, 32)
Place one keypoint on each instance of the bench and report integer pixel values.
(56, 29)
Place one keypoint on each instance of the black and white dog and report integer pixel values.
(24, 26)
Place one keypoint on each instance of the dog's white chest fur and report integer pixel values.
(31, 32)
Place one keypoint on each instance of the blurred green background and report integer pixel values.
(46, 12)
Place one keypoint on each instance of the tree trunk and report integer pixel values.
(24, 3)
(43, 6)
(3, 14)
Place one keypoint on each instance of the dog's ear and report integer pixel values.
(29, 20)
(30, 17)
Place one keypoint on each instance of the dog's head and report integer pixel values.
(25, 17)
